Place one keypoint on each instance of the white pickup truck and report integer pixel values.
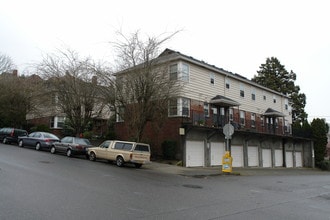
(121, 152)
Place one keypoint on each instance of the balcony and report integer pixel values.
(198, 118)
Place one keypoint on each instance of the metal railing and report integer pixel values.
(197, 118)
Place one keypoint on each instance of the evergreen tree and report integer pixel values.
(273, 75)
(319, 133)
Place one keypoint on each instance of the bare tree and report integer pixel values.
(142, 86)
(6, 63)
(73, 83)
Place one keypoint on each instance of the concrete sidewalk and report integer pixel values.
(216, 171)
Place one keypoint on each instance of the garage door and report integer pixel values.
(194, 153)
(253, 157)
(266, 158)
(237, 155)
(289, 159)
(299, 159)
(217, 151)
(278, 158)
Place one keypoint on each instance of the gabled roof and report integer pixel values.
(272, 112)
(223, 101)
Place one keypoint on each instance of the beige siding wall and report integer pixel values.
(200, 88)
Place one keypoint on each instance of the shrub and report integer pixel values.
(324, 165)
(169, 149)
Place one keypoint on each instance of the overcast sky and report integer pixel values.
(237, 36)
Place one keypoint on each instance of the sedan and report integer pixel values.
(39, 140)
(71, 145)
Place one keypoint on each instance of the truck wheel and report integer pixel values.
(119, 161)
(138, 165)
(92, 156)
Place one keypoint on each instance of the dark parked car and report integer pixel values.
(71, 145)
(39, 140)
(10, 135)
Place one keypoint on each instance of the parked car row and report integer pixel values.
(112, 150)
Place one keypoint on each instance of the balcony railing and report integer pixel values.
(248, 125)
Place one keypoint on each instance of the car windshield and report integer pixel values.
(82, 141)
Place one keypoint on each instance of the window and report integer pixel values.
(212, 78)
(179, 107)
(57, 122)
(241, 92)
(253, 94)
(231, 114)
(174, 72)
(253, 120)
(262, 121)
(120, 114)
(173, 107)
(206, 109)
(274, 98)
(265, 97)
(184, 72)
(286, 104)
(242, 117)
(227, 81)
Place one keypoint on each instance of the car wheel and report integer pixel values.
(92, 156)
(138, 165)
(52, 150)
(4, 140)
(69, 153)
(20, 143)
(119, 161)
(38, 146)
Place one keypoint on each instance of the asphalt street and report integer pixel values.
(39, 185)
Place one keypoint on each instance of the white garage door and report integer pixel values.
(299, 159)
(237, 155)
(217, 151)
(278, 158)
(194, 153)
(289, 159)
(253, 157)
(266, 158)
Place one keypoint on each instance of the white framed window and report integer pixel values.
(286, 104)
(173, 69)
(242, 117)
(231, 114)
(241, 90)
(253, 120)
(57, 122)
(212, 78)
(206, 109)
(274, 98)
(253, 94)
(179, 71)
(120, 114)
(227, 82)
(184, 72)
(179, 107)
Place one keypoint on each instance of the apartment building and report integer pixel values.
(211, 98)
